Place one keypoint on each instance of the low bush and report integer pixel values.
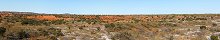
(31, 22)
(109, 25)
(214, 37)
(23, 34)
(2, 31)
(123, 36)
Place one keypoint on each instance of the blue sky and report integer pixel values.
(112, 6)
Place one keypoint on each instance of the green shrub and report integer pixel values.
(214, 37)
(58, 22)
(31, 22)
(109, 25)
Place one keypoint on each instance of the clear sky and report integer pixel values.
(112, 6)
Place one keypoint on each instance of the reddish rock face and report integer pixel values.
(5, 14)
(111, 19)
(89, 17)
(108, 18)
(43, 17)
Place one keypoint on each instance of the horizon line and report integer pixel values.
(111, 13)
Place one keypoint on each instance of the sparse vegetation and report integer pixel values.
(35, 26)
(123, 36)
(31, 22)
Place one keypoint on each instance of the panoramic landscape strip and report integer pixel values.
(37, 26)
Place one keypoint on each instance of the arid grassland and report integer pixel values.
(35, 26)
